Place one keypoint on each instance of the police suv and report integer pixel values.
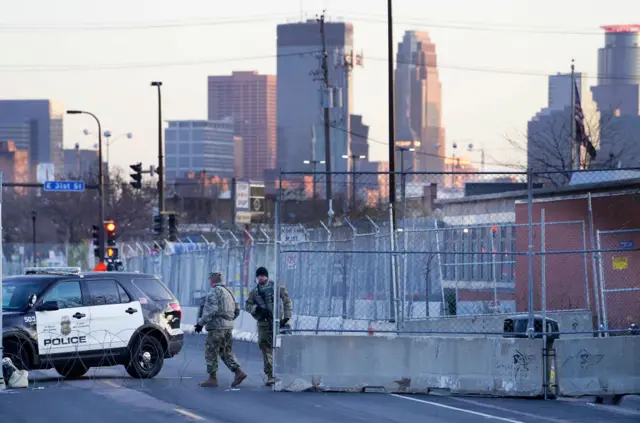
(68, 320)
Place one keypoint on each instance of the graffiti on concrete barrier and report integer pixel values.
(520, 365)
(574, 325)
(585, 359)
(521, 362)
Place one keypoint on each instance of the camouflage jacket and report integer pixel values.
(262, 297)
(220, 309)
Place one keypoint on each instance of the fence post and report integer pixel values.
(276, 276)
(375, 273)
(595, 262)
(393, 305)
(530, 329)
(403, 296)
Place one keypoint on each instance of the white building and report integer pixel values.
(197, 146)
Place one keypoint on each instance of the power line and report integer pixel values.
(501, 71)
(473, 26)
(423, 153)
(5, 27)
(118, 66)
(69, 68)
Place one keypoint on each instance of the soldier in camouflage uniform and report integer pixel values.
(219, 310)
(260, 303)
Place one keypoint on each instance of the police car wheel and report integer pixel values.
(147, 357)
(71, 369)
(17, 352)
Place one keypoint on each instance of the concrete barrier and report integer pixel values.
(598, 366)
(494, 366)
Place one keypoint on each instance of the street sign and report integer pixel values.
(44, 172)
(243, 218)
(64, 186)
(257, 205)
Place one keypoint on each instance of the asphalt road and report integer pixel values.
(109, 395)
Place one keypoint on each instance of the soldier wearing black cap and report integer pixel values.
(260, 302)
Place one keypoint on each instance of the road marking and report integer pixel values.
(188, 414)
(462, 410)
(113, 385)
(521, 413)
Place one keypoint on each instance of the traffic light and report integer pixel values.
(111, 233)
(112, 253)
(173, 227)
(96, 240)
(158, 224)
(137, 176)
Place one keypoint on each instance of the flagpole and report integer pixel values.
(575, 147)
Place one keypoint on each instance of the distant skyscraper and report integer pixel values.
(79, 162)
(618, 96)
(359, 137)
(300, 112)
(44, 118)
(418, 103)
(199, 146)
(549, 131)
(250, 99)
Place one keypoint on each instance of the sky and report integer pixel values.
(494, 57)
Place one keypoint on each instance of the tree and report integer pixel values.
(547, 144)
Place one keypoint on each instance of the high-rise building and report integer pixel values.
(359, 136)
(418, 103)
(301, 95)
(14, 163)
(199, 146)
(250, 99)
(44, 118)
(618, 96)
(549, 131)
(80, 162)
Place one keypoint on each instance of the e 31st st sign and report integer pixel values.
(64, 186)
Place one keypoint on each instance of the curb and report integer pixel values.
(237, 335)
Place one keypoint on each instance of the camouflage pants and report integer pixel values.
(265, 343)
(219, 344)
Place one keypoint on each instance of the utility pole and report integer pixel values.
(327, 116)
(160, 170)
(392, 130)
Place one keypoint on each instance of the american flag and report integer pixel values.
(581, 134)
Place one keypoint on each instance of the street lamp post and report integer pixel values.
(109, 141)
(34, 216)
(314, 163)
(353, 158)
(100, 180)
(158, 84)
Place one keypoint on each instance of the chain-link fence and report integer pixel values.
(464, 252)
(460, 253)
(18, 256)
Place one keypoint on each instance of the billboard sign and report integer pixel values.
(242, 196)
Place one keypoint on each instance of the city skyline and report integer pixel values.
(580, 35)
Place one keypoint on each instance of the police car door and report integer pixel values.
(114, 316)
(66, 330)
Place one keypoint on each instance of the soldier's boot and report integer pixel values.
(270, 380)
(240, 376)
(212, 382)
